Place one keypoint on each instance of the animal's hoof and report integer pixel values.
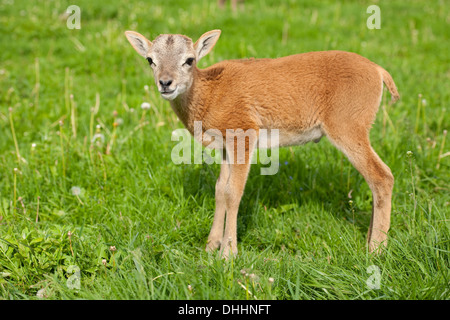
(228, 249)
(212, 245)
(377, 247)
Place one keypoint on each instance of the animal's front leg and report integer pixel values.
(234, 189)
(233, 194)
(216, 234)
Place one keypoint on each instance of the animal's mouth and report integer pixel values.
(169, 94)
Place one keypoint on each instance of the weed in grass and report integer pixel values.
(440, 155)
(60, 133)
(37, 209)
(13, 132)
(14, 205)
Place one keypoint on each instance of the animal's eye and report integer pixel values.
(150, 61)
(189, 61)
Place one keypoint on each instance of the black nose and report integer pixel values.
(165, 83)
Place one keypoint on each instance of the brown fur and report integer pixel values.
(305, 96)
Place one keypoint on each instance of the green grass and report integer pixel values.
(297, 227)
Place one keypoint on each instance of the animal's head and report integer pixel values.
(173, 58)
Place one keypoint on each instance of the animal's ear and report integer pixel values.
(139, 42)
(206, 42)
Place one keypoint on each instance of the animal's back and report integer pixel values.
(297, 91)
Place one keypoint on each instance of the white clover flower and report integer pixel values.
(98, 136)
(253, 276)
(76, 191)
(33, 145)
(41, 293)
(146, 87)
(145, 106)
(409, 153)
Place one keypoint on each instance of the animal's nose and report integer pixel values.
(165, 83)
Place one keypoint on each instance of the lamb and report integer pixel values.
(305, 96)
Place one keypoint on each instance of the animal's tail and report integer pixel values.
(389, 82)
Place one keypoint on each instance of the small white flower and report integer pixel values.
(41, 293)
(33, 145)
(253, 276)
(75, 191)
(271, 280)
(409, 153)
(145, 106)
(146, 87)
(98, 136)
(424, 102)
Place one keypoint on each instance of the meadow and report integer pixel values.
(92, 206)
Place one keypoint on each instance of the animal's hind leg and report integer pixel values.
(354, 143)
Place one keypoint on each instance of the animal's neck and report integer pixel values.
(189, 105)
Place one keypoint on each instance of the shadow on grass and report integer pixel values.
(323, 184)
